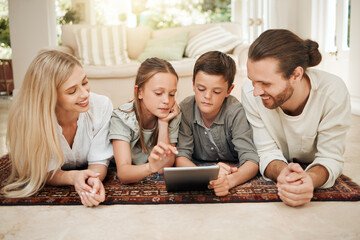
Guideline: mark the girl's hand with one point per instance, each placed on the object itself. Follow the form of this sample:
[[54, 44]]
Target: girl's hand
[[160, 155], [173, 113]]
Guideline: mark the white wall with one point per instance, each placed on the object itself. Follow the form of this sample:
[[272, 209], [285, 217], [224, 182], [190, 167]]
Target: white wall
[[354, 63], [32, 28], [299, 17]]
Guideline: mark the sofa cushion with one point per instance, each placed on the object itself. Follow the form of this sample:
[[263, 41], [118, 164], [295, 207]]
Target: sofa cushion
[[120, 71], [137, 39], [103, 45], [234, 28], [215, 38], [170, 48]]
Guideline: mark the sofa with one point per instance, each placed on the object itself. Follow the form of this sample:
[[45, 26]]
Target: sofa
[[117, 81]]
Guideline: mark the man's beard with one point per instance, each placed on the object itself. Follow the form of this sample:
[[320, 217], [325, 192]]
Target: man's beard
[[281, 98]]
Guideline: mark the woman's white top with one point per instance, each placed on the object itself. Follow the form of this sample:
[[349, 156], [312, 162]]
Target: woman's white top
[[91, 142]]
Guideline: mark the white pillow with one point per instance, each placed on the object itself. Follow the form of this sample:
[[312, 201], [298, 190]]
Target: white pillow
[[102, 45], [215, 38]]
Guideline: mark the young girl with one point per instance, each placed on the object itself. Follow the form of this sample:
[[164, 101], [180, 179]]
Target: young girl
[[144, 132], [55, 122]]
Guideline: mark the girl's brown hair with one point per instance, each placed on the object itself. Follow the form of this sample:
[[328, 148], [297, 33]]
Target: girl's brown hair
[[290, 50], [148, 69]]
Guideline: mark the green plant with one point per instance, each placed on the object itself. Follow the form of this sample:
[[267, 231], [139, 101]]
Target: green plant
[[4, 32], [70, 17], [166, 13]]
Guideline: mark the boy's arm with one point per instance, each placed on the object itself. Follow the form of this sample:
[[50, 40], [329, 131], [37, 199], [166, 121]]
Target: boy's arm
[[246, 172], [242, 136], [185, 144], [224, 182]]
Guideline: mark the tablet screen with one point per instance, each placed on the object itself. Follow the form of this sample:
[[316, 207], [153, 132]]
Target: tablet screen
[[189, 178]]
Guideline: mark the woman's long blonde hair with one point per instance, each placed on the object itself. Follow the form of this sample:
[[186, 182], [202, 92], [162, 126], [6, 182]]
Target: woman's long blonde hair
[[32, 132]]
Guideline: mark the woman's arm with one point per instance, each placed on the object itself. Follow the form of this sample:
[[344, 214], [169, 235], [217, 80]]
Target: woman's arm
[[99, 168], [77, 178]]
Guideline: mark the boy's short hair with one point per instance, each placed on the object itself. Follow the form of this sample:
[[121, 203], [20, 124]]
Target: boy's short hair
[[216, 63]]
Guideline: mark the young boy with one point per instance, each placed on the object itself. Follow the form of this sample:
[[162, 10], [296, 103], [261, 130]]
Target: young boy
[[214, 126]]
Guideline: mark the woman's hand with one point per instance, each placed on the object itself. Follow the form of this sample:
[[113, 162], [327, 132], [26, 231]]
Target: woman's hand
[[97, 194], [160, 155], [88, 188], [174, 111]]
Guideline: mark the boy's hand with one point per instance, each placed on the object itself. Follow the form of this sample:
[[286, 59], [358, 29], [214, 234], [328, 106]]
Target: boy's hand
[[221, 185], [226, 169]]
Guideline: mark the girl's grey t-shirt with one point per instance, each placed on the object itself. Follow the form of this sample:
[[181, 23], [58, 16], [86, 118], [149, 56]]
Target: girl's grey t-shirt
[[125, 126]]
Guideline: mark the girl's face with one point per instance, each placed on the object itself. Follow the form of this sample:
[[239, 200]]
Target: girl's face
[[158, 94], [73, 94]]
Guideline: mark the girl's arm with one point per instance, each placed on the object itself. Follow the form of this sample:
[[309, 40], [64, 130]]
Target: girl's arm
[[184, 162], [163, 137], [126, 172]]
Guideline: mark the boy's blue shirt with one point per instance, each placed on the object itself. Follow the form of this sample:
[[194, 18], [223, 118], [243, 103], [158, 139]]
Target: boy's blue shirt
[[229, 137]]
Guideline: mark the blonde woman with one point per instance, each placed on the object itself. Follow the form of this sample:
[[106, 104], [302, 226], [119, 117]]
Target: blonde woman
[[56, 126]]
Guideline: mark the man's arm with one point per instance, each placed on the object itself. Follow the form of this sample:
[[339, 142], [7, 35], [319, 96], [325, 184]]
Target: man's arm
[[319, 175], [267, 148], [331, 135], [274, 169]]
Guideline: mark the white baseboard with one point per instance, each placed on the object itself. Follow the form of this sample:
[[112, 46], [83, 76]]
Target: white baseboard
[[355, 105]]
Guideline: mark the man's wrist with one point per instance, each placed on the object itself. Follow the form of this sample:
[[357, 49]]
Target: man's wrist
[[274, 168], [319, 175]]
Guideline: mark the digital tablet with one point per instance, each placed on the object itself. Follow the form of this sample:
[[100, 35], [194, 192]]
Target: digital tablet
[[189, 178]]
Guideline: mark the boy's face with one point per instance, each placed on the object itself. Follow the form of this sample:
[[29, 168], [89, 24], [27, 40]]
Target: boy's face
[[210, 92]]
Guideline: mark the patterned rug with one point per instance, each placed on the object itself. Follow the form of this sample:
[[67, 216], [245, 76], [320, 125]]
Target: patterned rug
[[151, 190]]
